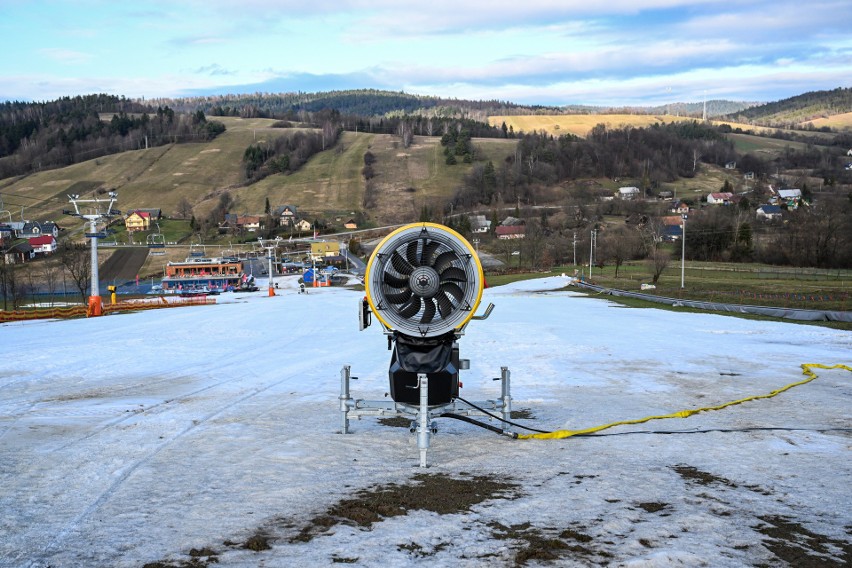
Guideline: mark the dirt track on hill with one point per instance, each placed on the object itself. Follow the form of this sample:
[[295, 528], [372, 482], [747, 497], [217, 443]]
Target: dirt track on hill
[[124, 264]]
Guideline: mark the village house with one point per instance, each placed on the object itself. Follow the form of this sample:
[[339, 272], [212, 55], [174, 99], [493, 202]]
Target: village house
[[286, 215], [723, 198], [19, 252], [627, 193], [45, 244], [248, 223], [680, 207], [505, 232], [479, 224], [302, 225], [137, 221], [30, 229], [768, 212], [6, 232], [324, 249], [350, 224]]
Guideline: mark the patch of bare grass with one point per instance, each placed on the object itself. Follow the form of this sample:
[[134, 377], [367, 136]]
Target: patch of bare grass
[[537, 545], [797, 546], [439, 494]]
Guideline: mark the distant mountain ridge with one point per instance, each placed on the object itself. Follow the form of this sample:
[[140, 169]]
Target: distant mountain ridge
[[360, 102], [374, 102]]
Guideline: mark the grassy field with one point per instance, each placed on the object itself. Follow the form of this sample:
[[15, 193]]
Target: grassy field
[[749, 143], [578, 124], [750, 284], [837, 121], [582, 124], [710, 179]]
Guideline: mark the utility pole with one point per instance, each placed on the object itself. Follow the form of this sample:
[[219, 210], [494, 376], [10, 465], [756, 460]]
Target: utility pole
[[92, 217], [592, 241], [683, 251], [575, 248]]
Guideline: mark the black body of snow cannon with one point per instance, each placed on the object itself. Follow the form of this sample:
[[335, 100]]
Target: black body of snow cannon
[[437, 357]]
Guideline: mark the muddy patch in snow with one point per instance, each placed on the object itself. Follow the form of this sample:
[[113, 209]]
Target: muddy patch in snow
[[436, 493]]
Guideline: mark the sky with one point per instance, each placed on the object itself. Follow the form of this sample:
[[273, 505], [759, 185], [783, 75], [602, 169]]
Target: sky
[[548, 52], [134, 438]]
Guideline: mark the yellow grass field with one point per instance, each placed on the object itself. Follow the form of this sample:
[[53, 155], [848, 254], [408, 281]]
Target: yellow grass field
[[838, 121], [582, 124], [579, 124]]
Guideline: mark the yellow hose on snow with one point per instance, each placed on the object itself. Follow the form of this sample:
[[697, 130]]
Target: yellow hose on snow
[[806, 370]]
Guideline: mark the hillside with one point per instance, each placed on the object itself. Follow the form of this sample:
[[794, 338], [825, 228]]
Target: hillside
[[799, 109], [329, 184]]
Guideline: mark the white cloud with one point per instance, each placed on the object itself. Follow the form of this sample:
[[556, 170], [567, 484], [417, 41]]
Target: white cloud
[[69, 56]]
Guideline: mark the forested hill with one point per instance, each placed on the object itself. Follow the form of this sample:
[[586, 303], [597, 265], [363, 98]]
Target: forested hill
[[798, 109], [360, 102], [35, 136]]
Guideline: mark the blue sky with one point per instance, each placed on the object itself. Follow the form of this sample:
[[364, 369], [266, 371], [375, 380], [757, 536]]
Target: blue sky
[[618, 52]]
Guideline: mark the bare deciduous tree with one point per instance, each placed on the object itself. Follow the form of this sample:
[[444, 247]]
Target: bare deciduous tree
[[658, 262], [76, 260], [184, 208]]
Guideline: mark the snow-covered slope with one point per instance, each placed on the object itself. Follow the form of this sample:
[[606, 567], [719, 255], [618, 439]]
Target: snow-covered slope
[[134, 438]]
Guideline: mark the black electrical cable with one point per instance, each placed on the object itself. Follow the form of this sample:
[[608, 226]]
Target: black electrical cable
[[478, 423], [494, 416]]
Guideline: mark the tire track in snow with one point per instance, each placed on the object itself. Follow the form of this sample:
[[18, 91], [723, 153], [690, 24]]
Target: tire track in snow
[[194, 424], [115, 485], [185, 372]]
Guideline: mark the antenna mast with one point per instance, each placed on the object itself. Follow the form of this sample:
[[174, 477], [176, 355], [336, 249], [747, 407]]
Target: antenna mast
[[93, 214]]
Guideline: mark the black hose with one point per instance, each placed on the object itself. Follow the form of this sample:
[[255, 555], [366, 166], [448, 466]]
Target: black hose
[[478, 423], [494, 416]]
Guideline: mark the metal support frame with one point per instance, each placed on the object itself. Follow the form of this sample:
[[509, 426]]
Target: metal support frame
[[95, 214], [422, 415]]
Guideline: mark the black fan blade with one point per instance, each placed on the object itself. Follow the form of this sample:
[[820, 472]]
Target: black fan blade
[[453, 273], [411, 308], [395, 281], [429, 250], [398, 297], [428, 312], [411, 254], [444, 261], [445, 306], [400, 265], [453, 289]]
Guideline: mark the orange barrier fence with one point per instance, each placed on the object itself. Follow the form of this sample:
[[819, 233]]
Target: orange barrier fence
[[42, 313], [125, 306]]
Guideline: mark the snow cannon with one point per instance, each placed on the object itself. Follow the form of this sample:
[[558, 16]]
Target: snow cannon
[[423, 283]]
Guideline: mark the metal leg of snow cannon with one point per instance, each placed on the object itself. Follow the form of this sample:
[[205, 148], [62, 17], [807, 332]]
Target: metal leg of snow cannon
[[506, 396], [346, 401], [423, 431]]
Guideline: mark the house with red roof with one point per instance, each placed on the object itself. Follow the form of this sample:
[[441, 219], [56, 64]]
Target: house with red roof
[[511, 232], [45, 244], [137, 221]]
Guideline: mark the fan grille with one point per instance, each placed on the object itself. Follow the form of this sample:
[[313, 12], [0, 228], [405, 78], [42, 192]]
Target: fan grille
[[424, 280]]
